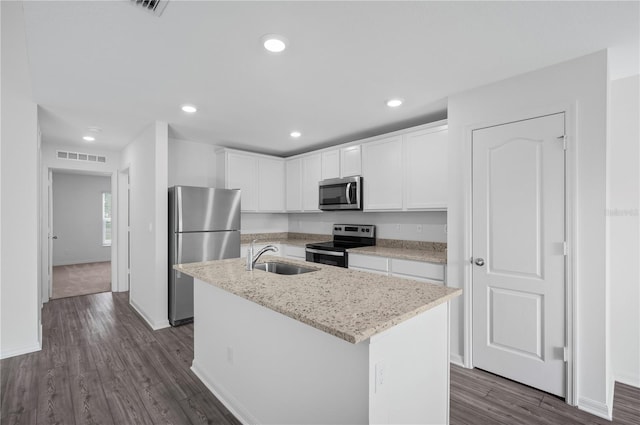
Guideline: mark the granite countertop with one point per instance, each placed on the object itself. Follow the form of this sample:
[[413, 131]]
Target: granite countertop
[[348, 304], [295, 239], [431, 252], [428, 255]]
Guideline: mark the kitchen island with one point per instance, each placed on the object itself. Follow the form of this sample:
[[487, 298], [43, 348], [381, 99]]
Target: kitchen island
[[330, 346]]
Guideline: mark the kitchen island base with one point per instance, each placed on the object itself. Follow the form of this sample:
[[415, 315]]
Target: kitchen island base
[[268, 368]]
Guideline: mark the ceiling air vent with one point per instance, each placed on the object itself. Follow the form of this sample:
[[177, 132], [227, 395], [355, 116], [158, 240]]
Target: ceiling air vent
[[154, 6], [75, 156]]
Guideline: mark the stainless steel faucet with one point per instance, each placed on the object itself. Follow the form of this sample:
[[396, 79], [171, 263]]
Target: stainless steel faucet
[[251, 258]]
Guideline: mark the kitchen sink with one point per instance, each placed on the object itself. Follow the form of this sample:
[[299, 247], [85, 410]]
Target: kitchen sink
[[283, 268]]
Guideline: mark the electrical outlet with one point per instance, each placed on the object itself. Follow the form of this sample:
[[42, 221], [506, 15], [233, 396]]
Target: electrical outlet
[[397, 227], [230, 355], [419, 228]]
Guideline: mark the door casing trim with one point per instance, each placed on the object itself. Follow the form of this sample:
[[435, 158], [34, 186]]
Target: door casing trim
[[571, 290]]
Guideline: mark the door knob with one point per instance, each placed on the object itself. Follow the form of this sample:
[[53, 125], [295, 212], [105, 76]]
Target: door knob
[[479, 262], [54, 237]]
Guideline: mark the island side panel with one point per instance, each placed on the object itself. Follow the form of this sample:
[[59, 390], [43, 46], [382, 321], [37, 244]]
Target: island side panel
[[268, 368], [409, 371]]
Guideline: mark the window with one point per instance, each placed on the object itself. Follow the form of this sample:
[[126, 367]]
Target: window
[[106, 219]]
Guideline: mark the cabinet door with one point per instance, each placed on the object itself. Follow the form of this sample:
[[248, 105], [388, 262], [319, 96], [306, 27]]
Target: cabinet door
[[311, 175], [330, 164], [382, 174], [271, 182], [241, 174], [350, 161], [294, 184], [425, 167]]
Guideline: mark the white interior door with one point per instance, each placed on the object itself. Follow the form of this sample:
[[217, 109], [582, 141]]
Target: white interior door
[[518, 252]]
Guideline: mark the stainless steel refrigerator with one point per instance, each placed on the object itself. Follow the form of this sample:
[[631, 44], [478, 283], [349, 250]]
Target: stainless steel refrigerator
[[204, 224]]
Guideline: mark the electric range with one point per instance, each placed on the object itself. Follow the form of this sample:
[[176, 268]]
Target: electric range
[[345, 236]]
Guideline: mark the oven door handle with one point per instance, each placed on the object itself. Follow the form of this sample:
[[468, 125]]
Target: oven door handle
[[322, 252], [348, 193]]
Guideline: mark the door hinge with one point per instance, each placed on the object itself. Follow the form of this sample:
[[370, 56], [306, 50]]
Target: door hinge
[[564, 141], [564, 248], [565, 354]]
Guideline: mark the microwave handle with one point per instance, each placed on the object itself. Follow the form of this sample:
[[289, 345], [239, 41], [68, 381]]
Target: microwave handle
[[349, 193]]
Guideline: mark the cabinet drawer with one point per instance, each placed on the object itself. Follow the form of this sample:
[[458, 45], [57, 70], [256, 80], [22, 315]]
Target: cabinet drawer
[[418, 269], [369, 262]]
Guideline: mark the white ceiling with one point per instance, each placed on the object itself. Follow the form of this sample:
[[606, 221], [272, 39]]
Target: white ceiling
[[112, 65]]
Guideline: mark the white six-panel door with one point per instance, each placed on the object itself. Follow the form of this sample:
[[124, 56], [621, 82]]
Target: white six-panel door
[[518, 252]]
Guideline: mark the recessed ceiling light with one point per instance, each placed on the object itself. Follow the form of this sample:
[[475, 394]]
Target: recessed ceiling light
[[394, 103], [190, 109], [88, 138], [295, 134], [274, 43]]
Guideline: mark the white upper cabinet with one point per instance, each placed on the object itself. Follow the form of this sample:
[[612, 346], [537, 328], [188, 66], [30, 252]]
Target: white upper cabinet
[[261, 179], [350, 161], [271, 184], [382, 174], [294, 184], [331, 164], [425, 169], [343, 162], [241, 174], [311, 175], [404, 171]]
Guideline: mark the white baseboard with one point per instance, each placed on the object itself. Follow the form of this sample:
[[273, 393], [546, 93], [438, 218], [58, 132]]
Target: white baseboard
[[153, 324], [18, 351], [456, 359], [228, 400], [634, 381], [596, 408]]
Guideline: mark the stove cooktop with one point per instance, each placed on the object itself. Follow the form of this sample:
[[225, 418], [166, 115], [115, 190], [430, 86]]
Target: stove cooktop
[[347, 236], [336, 245]]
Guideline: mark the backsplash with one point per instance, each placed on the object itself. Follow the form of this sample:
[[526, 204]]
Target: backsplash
[[407, 226]]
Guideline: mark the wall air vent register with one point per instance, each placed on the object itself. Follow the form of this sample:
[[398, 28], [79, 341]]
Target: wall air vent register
[[76, 156], [154, 6]]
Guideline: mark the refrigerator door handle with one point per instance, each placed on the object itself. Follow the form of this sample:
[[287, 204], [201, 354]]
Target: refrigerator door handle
[[179, 253], [179, 208]]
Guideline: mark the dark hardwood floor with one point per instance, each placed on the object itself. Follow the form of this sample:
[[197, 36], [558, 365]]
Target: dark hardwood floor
[[101, 364]]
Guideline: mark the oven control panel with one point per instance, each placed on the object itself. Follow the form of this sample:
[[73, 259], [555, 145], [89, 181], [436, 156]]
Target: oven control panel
[[359, 230]]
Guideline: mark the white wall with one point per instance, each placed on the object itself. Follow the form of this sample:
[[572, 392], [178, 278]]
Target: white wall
[[389, 225], [147, 160], [579, 84], [623, 183], [20, 304], [192, 163], [77, 218]]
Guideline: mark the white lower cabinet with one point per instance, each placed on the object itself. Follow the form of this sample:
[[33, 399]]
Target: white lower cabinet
[[418, 270], [369, 263], [406, 269]]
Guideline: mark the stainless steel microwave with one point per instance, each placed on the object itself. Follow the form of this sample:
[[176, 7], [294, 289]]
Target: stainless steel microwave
[[340, 194]]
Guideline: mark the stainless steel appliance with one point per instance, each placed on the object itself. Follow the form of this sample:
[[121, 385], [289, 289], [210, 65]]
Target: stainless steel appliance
[[345, 236], [204, 224], [340, 194]]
